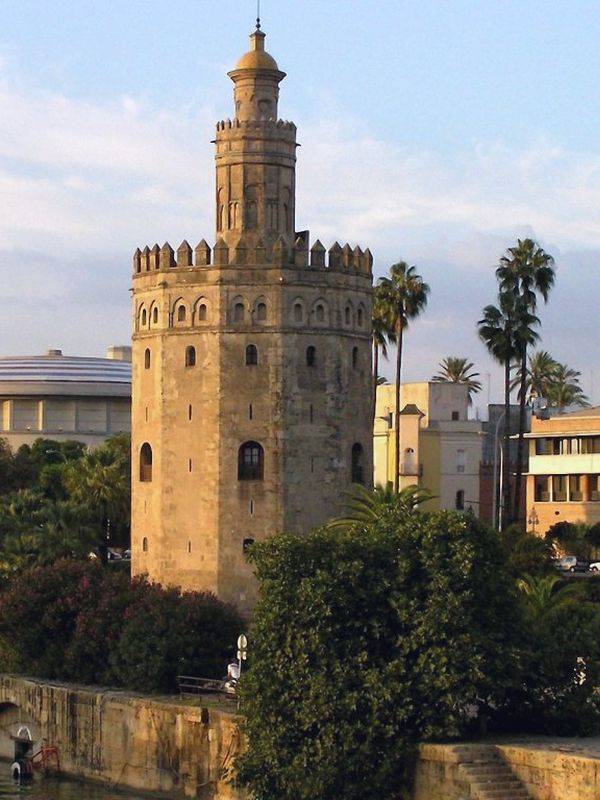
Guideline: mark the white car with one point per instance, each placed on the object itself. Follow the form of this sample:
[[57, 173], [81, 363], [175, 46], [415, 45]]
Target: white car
[[595, 566]]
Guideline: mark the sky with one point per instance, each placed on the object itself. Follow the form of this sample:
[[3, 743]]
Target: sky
[[434, 132]]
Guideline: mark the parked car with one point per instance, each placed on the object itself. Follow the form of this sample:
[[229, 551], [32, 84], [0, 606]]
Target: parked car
[[595, 566], [571, 564]]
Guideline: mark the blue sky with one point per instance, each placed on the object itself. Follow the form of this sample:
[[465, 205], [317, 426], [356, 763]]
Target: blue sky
[[436, 132]]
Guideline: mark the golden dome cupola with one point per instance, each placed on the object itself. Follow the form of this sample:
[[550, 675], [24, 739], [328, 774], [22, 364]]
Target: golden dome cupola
[[256, 77]]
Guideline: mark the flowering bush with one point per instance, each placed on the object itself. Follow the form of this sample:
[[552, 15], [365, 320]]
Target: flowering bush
[[76, 621]]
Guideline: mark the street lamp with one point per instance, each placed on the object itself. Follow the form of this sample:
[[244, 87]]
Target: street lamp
[[533, 520]]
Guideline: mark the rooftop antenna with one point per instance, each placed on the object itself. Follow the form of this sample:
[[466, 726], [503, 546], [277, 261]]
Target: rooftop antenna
[[257, 15]]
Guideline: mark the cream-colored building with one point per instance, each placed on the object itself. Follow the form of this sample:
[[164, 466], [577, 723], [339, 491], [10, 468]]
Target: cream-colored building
[[563, 484], [65, 397], [251, 365], [440, 446]]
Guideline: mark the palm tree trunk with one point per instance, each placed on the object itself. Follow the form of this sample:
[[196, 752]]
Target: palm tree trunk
[[375, 376], [398, 376], [521, 443], [505, 500]]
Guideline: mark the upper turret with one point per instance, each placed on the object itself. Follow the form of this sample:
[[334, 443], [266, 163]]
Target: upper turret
[[256, 77]]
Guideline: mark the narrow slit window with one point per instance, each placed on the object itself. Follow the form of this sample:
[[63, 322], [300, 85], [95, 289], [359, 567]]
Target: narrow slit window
[[311, 356], [147, 358]]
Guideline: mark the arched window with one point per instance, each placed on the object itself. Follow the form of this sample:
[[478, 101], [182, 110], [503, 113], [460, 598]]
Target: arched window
[[147, 358], [357, 464], [144, 317], [238, 312], [320, 313], [348, 315], [261, 312], [354, 357], [311, 356], [190, 356], [360, 317], [298, 312], [181, 314], [251, 355], [155, 316], [145, 544], [145, 463], [460, 500], [251, 459], [202, 312]]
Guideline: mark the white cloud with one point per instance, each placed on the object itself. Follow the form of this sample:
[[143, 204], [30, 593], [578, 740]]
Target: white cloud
[[82, 184]]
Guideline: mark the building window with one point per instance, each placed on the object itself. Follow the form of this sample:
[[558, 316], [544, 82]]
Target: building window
[[298, 312], [594, 487], [190, 465], [455, 416], [251, 355], [357, 464], [459, 502], [190, 412], [147, 358], [155, 315], [144, 317], [238, 312], [261, 312], [311, 356], [189, 547], [146, 463], [250, 411], [541, 489], [145, 544], [190, 356], [202, 312], [250, 462], [320, 313], [348, 315], [354, 357], [575, 492], [360, 318], [461, 460], [312, 413], [247, 545], [181, 314], [559, 488]]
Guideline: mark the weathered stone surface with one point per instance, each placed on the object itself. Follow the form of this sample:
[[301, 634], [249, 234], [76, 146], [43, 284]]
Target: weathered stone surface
[[132, 741]]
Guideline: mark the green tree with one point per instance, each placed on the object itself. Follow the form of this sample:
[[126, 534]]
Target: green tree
[[565, 389], [496, 331], [403, 297], [543, 593], [459, 370], [366, 641], [366, 507], [540, 375], [382, 333], [526, 271]]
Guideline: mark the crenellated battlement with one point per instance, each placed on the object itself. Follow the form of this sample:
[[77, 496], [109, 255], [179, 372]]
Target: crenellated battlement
[[338, 258], [261, 124]]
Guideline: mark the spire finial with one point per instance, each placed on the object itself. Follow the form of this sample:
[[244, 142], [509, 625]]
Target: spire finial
[[257, 15]]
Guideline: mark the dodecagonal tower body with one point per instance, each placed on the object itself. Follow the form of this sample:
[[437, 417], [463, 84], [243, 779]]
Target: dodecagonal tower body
[[251, 365]]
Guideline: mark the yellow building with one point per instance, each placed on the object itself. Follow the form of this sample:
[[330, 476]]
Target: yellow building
[[440, 447], [251, 364], [563, 484], [65, 397]]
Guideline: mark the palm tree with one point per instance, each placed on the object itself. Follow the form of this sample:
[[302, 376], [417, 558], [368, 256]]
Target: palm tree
[[539, 377], [543, 593], [366, 507], [459, 370], [526, 271], [496, 331], [404, 296], [565, 389], [382, 334]]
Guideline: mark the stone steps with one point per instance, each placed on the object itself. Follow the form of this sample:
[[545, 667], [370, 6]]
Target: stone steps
[[488, 775]]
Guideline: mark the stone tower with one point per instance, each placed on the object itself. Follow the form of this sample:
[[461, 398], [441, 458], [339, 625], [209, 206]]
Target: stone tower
[[251, 365]]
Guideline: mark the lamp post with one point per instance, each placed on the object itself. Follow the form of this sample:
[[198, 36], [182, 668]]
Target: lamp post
[[533, 520], [497, 507]]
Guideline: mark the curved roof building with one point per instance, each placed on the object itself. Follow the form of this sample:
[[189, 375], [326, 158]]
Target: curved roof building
[[65, 397]]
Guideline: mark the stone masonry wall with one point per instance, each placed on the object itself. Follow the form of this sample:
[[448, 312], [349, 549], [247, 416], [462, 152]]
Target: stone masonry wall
[[142, 743]]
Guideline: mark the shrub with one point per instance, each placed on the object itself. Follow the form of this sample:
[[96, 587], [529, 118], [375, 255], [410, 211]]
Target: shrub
[[77, 621], [367, 640]]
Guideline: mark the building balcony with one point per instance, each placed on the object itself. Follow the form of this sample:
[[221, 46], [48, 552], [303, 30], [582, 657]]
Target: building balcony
[[580, 464]]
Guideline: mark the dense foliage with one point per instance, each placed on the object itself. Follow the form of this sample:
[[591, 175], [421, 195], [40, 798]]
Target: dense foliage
[[61, 500], [367, 639], [78, 622], [392, 626], [575, 538]]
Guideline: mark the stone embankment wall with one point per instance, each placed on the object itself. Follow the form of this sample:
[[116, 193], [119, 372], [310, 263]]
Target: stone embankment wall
[[127, 740]]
